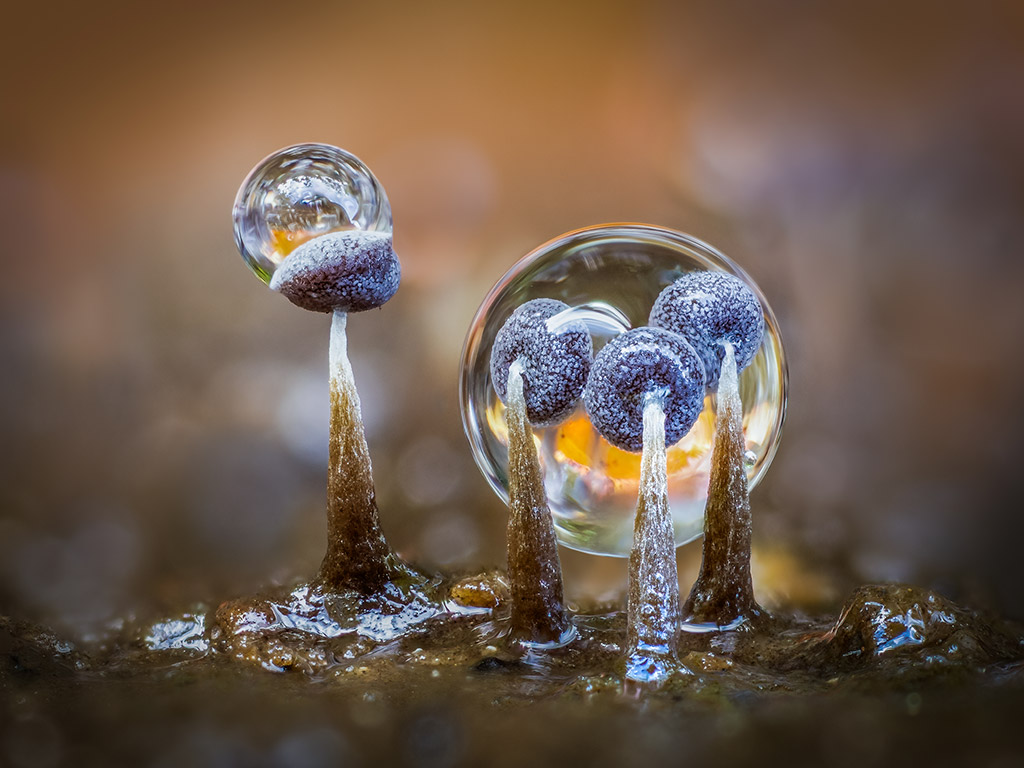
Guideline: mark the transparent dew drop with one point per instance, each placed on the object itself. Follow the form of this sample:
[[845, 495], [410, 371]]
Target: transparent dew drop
[[749, 458], [610, 276], [302, 192]]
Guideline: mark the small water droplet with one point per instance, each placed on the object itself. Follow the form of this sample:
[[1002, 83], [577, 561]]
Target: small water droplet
[[749, 458], [299, 193]]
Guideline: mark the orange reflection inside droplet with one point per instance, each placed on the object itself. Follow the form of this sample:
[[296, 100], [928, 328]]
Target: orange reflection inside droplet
[[579, 442]]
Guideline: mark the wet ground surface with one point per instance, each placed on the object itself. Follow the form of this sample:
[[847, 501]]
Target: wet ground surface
[[902, 673]]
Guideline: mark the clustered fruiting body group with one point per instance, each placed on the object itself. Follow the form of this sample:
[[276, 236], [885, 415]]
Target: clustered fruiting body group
[[644, 391]]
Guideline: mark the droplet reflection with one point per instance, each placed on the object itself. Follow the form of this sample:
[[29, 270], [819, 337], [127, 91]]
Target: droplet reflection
[[302, 192], [611, 276]]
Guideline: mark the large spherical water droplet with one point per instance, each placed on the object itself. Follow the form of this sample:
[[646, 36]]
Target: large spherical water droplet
[[302, 192], [610, 274]]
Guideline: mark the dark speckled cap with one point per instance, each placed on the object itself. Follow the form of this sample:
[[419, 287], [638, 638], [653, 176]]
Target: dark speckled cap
[[637, 363], [555, 365], [710, 309], [352, 271]]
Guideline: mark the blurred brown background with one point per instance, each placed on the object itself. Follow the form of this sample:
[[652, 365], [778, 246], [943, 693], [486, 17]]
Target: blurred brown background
[[163, 416]]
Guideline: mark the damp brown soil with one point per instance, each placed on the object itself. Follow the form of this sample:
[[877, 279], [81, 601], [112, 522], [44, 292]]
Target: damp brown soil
[[899, 672]]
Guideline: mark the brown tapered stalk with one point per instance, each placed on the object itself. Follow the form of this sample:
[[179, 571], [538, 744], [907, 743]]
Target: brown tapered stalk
[[653, 601], [535, 573], [358, 557], [723, 593]]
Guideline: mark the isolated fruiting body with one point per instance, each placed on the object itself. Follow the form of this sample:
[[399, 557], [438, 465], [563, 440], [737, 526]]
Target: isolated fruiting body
[[723, 319], [315, 224]]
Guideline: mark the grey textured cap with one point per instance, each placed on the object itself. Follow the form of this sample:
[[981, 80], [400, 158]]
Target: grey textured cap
[[555, 365], [710, 309], [352, 271], [634, 365]]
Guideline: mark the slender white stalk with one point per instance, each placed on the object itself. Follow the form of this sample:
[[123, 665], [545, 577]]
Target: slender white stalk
[[357, 556], [347, 425], [653, 602], [337, 357]]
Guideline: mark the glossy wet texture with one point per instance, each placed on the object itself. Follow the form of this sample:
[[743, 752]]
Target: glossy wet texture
[[901, 668], [652, 613], [358, 557], [611, 276], [538, 612], [724, 592], [301, 193]]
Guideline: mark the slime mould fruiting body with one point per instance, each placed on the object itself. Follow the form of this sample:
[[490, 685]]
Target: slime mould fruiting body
[[342, 273], [724, 321], [634, 367], [645, 391], [710, 310], [313, 199], [554, 363], [539, 373], [314, 223]]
